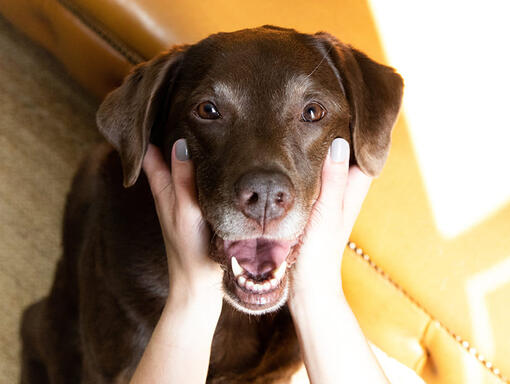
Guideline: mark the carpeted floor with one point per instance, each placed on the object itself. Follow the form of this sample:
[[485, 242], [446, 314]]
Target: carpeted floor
[[46, 126]]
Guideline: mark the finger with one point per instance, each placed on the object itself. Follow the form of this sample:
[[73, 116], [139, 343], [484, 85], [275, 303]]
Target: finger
[[334, 176], [183, 176], [356, 190], [157, 171], [189, 221]]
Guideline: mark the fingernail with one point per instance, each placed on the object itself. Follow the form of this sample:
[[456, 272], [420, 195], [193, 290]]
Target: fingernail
[[339, 150], [181, 150]]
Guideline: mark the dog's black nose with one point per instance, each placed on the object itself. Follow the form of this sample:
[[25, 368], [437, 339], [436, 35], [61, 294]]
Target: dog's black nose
[[264, 195]]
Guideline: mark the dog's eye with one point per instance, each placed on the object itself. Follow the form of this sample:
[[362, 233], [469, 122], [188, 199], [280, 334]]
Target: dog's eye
[[208, 110], [313, 112]]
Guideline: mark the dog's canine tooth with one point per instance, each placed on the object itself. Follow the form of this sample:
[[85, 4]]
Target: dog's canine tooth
[[236, 268], [278, 274], [274, 283]]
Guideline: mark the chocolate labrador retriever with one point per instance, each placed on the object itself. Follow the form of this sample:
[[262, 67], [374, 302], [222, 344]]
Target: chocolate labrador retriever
[[259, 109]]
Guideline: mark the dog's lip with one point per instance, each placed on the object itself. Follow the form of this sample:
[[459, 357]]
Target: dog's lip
[[295, 238]]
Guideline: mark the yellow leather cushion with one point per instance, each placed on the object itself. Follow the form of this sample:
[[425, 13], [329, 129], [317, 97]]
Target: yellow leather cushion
[[421, 297]]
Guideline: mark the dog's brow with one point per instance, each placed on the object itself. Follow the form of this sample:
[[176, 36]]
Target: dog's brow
[[228, 92], [297, 85], [303, 86]]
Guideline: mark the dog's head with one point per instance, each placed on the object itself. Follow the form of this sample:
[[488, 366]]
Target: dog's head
[[259, 109]]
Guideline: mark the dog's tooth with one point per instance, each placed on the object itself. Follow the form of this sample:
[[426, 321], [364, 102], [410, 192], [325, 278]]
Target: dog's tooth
[[274, 283], [257, 287], [249, 285], [278, 274], [241, 280], [267, 286], [236, 268]]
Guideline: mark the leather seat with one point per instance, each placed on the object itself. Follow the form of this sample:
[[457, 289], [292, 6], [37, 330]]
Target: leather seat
[[418, 295]]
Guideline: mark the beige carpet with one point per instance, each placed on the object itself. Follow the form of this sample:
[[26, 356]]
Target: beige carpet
[[46, 126]]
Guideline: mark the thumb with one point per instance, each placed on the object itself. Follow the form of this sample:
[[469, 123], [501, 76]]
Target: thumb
[[157, 171], [335, 171], [183, 176]]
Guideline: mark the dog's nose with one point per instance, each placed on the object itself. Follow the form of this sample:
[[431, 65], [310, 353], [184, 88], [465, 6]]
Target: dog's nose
[[264, 195]]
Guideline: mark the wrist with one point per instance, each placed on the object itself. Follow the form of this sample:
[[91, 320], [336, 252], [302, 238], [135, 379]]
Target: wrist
[[190, 298], [302, 300], [316, 288]]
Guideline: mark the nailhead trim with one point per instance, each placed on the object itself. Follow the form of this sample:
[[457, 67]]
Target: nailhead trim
[[463, 343]]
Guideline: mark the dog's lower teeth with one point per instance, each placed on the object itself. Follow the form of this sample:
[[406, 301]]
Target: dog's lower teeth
[[262, 287]]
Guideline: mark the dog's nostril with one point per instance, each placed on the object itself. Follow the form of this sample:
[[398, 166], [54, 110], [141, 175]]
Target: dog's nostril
[[253, 198], [280, 198]]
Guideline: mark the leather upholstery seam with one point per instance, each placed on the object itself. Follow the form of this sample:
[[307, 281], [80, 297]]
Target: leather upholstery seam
[[464, 344], [95, 26]]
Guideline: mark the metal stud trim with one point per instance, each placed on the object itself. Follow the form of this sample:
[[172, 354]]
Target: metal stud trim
[[462, 342]]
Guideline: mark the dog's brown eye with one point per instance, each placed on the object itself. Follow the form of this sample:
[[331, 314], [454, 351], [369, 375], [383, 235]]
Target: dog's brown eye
[[208, 110], [313, 112]]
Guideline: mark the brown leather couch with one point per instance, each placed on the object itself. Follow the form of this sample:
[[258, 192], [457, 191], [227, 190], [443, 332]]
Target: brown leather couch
[[405, 281]]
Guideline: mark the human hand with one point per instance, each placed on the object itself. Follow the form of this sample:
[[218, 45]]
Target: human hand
[[333, 345], [192, 273], [317, 269], [180, 345]]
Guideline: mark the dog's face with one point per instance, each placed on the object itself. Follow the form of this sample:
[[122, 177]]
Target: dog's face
[[259, 109]]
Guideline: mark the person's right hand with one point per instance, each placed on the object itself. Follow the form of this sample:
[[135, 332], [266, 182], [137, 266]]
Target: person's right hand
[[180, 346]]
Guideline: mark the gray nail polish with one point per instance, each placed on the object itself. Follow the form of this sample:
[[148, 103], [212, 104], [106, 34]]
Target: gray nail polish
[[339, 150], [181, 150]]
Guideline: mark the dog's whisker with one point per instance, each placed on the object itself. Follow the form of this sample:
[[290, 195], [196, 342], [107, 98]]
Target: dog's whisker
[[318, 65]]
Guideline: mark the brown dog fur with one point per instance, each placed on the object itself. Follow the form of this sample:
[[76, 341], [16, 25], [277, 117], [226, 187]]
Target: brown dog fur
[[112, 281]]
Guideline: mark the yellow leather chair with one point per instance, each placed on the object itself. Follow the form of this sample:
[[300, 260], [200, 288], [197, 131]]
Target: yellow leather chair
[[439, 304]]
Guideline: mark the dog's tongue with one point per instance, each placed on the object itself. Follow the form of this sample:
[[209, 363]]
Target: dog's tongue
[[258, 256]]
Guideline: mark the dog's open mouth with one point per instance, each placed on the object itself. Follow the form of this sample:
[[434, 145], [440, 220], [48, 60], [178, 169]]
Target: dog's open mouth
[[256, 280]]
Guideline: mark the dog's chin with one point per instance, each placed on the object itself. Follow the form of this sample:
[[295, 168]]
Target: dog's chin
[[266, 292]]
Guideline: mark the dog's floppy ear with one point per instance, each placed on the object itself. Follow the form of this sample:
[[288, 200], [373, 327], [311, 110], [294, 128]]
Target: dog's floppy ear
[[127, 115], [374, 92]]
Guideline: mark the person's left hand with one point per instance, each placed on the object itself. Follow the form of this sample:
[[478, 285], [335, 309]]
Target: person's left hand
[[343, 189]]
